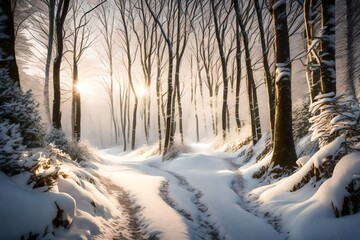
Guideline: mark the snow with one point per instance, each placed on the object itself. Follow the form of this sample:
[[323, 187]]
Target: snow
[[201, 194], [315, 219], [283, 72], [27, 212], [196, 182], [24, 211]]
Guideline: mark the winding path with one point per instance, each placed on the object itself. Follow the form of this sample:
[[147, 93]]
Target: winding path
[[195, 196]]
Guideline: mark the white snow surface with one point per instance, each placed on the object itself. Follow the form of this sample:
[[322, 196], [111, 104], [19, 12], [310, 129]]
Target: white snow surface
[[204, 171], [193, 196]]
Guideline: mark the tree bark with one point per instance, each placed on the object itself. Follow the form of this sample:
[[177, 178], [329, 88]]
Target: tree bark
[[60, 19], [284, 150], [312, 66], [350, 51], [7, 41], [253, 103], [327, 47], [225, 78], [169, 106], [267, 74], [238, 77], [48, 60]]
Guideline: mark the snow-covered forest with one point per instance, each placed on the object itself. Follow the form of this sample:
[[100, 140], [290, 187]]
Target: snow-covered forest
[[179, 119]]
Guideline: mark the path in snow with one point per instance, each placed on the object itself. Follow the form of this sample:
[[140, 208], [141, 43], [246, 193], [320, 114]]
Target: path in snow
[[194, 196], [238, 186], [202, 226], [129, 225]]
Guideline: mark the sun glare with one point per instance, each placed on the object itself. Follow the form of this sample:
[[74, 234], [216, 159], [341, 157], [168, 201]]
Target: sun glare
[[141, 91], [84, 88]]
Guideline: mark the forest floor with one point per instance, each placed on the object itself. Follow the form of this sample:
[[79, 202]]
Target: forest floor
[[198, 195]]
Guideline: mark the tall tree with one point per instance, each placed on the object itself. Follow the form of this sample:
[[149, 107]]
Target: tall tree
[[107, 23], [61, 13], [51, 10], [160, 51], [350, 48], [253, 102], [238, 76], [7, 40], [284, 149], [125, 8], [312, 61], [145, 35], [221, 17], [327, 47], [81, 41], [185, 14], [168, 141], [205, 54], [265, 52]]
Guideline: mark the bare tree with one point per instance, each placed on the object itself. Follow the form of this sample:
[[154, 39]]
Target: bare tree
[[194, 98], [185, 15], [350, 48], [222, 8], [168, 141], [265, 52], [125, 8], [284, 150], [205, 55], [327, 47], [253, 103], [51, 9], [160, 50], [312, 51], [61, 14], [7, 41], [145, 35], [238, 76], [107, 19], [80, 42]]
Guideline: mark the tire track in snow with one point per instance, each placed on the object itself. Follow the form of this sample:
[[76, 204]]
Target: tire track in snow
[[131, 224], [203, 227]]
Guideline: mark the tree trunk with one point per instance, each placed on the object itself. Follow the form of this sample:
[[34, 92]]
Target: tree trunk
[[267, 74], [312, 66], [122, 110], [284, 150], [158, 102], [350, 51], [327, 47], [7, 41], [224, 71], [253, 103], [48, 60], [129, 71], [238, 78], [76, 103], [60, 19], [169, 110]]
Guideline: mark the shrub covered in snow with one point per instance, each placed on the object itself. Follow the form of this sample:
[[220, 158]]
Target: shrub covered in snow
[[334, 116], [47, 193], [80, 151], [175, 150], [10, 142], [17, 107], [57, 138], [301, 124]]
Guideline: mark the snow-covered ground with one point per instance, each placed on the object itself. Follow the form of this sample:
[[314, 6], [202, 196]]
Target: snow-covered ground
[[190, 196], [202, 194]]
